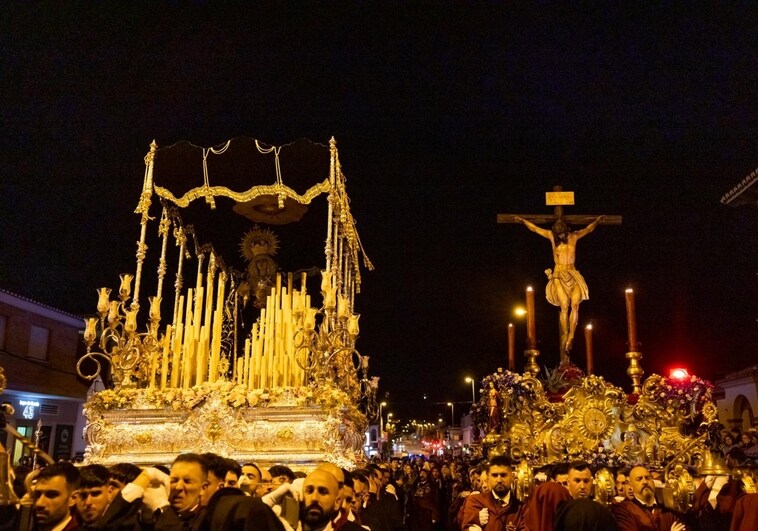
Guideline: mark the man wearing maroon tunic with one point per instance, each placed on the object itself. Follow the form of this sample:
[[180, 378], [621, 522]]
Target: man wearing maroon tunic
[[538, 514], [497, 509], [745, 516], [643, 513]]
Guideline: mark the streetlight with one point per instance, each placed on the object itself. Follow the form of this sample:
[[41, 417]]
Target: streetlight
[[470, 380], [452, 414], [381, 420]]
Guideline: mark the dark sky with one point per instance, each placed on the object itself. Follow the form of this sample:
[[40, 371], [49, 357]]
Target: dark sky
[[445, 114]]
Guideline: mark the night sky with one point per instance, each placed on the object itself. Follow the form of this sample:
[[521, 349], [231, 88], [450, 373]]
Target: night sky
[[445, 115]]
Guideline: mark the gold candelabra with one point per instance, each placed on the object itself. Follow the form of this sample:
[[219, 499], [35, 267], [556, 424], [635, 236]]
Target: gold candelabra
[[115, 331], [325, 342]]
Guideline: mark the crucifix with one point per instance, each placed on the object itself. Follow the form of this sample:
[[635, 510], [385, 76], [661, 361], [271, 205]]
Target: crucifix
[[566, 287]]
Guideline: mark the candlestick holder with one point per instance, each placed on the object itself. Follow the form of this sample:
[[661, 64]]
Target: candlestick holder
[[127, 351], [531, 367], [327, 351], [635, 371]]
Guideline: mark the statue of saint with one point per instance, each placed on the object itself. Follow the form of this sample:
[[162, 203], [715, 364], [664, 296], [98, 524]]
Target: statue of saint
[[257, 247], [493, 407], [566, 287]]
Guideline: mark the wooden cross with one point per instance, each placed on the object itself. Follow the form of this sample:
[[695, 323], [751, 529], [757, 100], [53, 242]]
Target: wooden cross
[[566, 287], [558, 199]]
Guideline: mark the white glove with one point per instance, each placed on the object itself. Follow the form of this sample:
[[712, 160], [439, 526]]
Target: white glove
[[275, 496], [157, 477], [390, 489], [155, 498], [474, 528], [484, 516], [297, 489]]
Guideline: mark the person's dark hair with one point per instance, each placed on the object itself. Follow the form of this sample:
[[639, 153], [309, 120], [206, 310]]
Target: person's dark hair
[[65, 469], [92, 476], [560, 227], [124, 472], [235, 467], [361, 475], [348, 478], [558, 469], [500, 460], [163, 468], [191, 457], [216, 465], [579, 466], [282, 470], [624, 470]]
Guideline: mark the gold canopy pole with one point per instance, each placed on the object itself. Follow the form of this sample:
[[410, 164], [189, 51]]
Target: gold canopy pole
[[163, 229], [142, 208], [181, 240], [330, 214]]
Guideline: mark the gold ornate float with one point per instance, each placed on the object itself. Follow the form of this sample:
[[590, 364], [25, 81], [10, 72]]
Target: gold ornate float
[[246, 364]]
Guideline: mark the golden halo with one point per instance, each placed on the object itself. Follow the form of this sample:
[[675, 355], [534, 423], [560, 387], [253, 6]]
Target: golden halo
[[260, 236]]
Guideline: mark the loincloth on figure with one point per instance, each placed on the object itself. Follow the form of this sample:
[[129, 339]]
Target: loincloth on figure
[[569, 279]]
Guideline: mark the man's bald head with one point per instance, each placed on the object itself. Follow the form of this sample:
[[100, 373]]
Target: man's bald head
[[334, 470]]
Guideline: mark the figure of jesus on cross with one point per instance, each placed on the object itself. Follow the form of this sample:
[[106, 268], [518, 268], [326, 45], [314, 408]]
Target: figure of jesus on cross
[[566, 287]]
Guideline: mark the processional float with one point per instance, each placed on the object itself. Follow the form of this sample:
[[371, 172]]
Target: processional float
[[666, 423], [241, 356]]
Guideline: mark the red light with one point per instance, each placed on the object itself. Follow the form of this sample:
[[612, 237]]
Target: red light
[[679, 374]]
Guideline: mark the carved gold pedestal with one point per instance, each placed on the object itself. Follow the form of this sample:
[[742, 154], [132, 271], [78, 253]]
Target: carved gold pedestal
[[292, 435]]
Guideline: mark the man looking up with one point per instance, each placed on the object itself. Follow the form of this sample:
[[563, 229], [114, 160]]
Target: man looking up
[[498, 508], [643, 513], [580, 480], [95, 493], [53, 496]]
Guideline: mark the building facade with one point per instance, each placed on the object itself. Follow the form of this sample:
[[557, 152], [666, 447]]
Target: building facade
[[737, 399], [38, 352]]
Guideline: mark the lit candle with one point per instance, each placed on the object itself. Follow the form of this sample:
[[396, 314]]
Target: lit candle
[[511, 347], [631, 320], [531, 334], [588, 343]]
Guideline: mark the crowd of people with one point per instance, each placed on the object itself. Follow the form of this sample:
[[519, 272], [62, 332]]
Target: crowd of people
[[210, 492]]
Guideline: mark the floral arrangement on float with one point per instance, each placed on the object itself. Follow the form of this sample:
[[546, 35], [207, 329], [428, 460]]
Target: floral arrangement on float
[[328, 397]]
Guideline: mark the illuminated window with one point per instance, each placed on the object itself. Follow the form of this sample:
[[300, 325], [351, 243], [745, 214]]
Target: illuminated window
[[38, 343]]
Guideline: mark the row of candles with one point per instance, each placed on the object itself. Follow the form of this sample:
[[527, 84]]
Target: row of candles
[[531, 334], [190, 349], [269, 358]]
